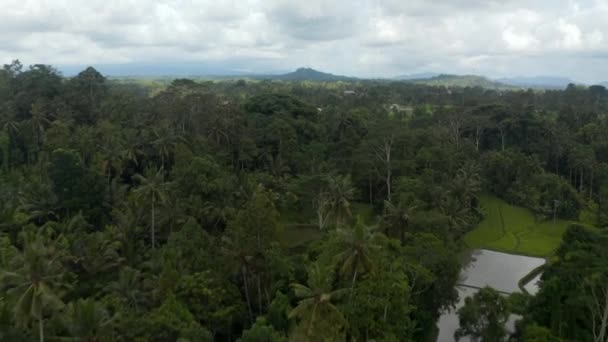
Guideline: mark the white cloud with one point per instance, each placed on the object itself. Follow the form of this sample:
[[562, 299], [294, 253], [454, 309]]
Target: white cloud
[[519, 41], [358, 37], [572, 37]]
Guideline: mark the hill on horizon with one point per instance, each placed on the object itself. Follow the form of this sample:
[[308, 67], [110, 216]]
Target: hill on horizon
[[417, 76], [306, 74], [446, 80]]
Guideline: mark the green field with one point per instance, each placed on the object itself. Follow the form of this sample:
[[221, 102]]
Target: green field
[[513, 229]]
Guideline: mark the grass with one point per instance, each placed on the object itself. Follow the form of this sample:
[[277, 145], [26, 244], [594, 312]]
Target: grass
[[512, 229]]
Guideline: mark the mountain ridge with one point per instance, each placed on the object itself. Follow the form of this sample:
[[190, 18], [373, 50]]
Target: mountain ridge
[[306, 74]]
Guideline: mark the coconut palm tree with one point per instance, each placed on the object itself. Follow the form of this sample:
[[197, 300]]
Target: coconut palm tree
[[153, 188], [457, 214], [317, 301], [356, 245], [9, 123], [237, 249], [10, 128], [112, 159], [38, 123], [467, 185], [165, 139], [337, 197], [87, 321], [35, 281], [397, 217], [126, 230], [128, 287]]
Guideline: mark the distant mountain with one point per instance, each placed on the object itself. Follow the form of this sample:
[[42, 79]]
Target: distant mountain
[[540, 82], [417, 76], [306, 74], [462, 81]]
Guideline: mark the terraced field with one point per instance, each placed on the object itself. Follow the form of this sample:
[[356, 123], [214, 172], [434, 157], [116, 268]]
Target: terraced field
[[512, 229]]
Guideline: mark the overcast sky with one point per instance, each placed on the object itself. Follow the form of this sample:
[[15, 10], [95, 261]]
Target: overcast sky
[[355, 37]]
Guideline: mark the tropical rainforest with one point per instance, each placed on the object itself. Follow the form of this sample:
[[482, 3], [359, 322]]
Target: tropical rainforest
[[260, 210]]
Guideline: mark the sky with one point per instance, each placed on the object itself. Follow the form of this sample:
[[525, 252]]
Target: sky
[[363, 38]]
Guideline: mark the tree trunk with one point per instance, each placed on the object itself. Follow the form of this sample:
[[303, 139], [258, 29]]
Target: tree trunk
[[322, 217], [245, 282], [570, 176], [402, 234], [371, 196], [591, 183], [259, 295], [388, 147], [601, 336], [386, 305], [153, 229], [352, 286], [41, 328]]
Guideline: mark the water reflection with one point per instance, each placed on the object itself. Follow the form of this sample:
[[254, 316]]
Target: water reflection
[[501, 271]]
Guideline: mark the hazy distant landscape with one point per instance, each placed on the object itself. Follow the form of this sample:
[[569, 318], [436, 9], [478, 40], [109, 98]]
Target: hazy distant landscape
[[309, 74]]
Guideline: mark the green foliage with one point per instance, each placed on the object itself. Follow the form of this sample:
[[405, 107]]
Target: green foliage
[[76, 187], [573, 287], [34, 280], [521, 180], [163, 209], [535, 333], [483, 317], [87, 320], [278, 311], [380, 307], [171, 322], [318, 319], [193, 247], [212, 300], [261, 331]]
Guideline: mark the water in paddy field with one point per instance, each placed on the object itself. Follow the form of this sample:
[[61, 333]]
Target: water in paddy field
[[501, 271]]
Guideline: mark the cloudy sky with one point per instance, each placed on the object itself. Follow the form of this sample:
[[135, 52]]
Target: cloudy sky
[[355, 37]]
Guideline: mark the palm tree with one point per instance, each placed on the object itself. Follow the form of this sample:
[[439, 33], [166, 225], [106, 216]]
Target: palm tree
[[38, 123], [39, 202], [338, 195], [96, 253], [458, 216], [127, 287], [87, 320], [317, 300], [35, 280], [153, 188], [238, 250], [356, 245], [113, 156], [10, 129], [397, 217], [9, 124], [126, 230], [164, 141], [467, 185]]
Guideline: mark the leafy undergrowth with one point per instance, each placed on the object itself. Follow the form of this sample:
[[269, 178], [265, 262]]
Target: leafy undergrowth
[[513, 229]]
